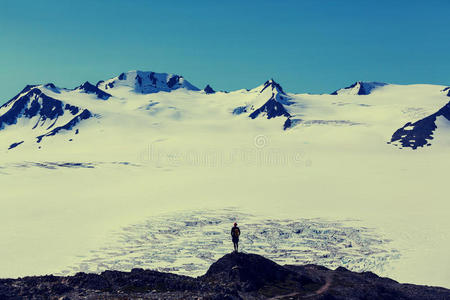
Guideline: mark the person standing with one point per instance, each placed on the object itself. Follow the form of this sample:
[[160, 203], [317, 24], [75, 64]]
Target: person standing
[[235, 233]]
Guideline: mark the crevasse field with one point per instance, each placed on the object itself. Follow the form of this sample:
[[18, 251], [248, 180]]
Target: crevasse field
[[155, 179]]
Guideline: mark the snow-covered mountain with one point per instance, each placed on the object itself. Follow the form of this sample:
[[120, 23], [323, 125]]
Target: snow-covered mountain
[[133, 102], [41, 114], [147, 82], [267, 103], [359, 88]]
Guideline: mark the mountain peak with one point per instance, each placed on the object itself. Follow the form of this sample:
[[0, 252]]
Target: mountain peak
[[360, 88], [272, 85], [52, 87], [147, 82], [274, 100], [45, 111], [209, 90]]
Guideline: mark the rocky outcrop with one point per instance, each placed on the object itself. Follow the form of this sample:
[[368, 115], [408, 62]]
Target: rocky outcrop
[[359, 88], [420, 133], [271, 109], [234, 276], [209, 90], [252, 273], [89, 88], [447, 89]]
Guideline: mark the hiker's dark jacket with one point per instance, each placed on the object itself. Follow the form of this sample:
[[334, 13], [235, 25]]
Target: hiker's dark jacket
[[233, 235]]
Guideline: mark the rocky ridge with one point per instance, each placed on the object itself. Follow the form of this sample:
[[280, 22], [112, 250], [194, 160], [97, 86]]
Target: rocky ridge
[[234, 276]]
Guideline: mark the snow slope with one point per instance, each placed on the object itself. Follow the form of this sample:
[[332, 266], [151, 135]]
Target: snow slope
[[165, 147]]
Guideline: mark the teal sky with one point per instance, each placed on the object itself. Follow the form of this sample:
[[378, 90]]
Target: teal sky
[[307, 46]]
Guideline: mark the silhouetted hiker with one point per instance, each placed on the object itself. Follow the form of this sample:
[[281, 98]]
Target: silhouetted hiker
[[235, 233]]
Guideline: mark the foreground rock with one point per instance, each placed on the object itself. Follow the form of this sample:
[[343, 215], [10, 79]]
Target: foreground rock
[[234, 276]]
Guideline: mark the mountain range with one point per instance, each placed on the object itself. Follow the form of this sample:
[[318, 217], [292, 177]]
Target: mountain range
[[404, 116]]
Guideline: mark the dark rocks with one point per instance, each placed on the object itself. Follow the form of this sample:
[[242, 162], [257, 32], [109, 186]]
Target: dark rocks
[[447, 89], [14, 145], [147, 280], [147, 82], [139, 79], [360, 88], [31, 104], [420, 133], [73, 109], [89, 281], [16, 107], [175, 79], [152, 78], [287, 124], [50, 108], [99, 82], [271, 84], [209, 90], [33, 109], [26, 89], [84, 115], [251, 272], [122, 76], [234, 276], [240, 110], [272, 108], [89, 88], [52, 87]]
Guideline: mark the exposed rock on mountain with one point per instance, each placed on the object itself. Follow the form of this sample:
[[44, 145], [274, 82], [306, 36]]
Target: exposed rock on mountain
[[147, 82], [88, 88], [359, 88], [209, 90], [420, 133]]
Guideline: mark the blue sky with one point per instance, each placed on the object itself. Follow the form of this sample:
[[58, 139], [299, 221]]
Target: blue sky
[[307, 46]]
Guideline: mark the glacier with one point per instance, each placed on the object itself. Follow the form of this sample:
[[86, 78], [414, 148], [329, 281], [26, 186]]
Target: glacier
[[89, 173]]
